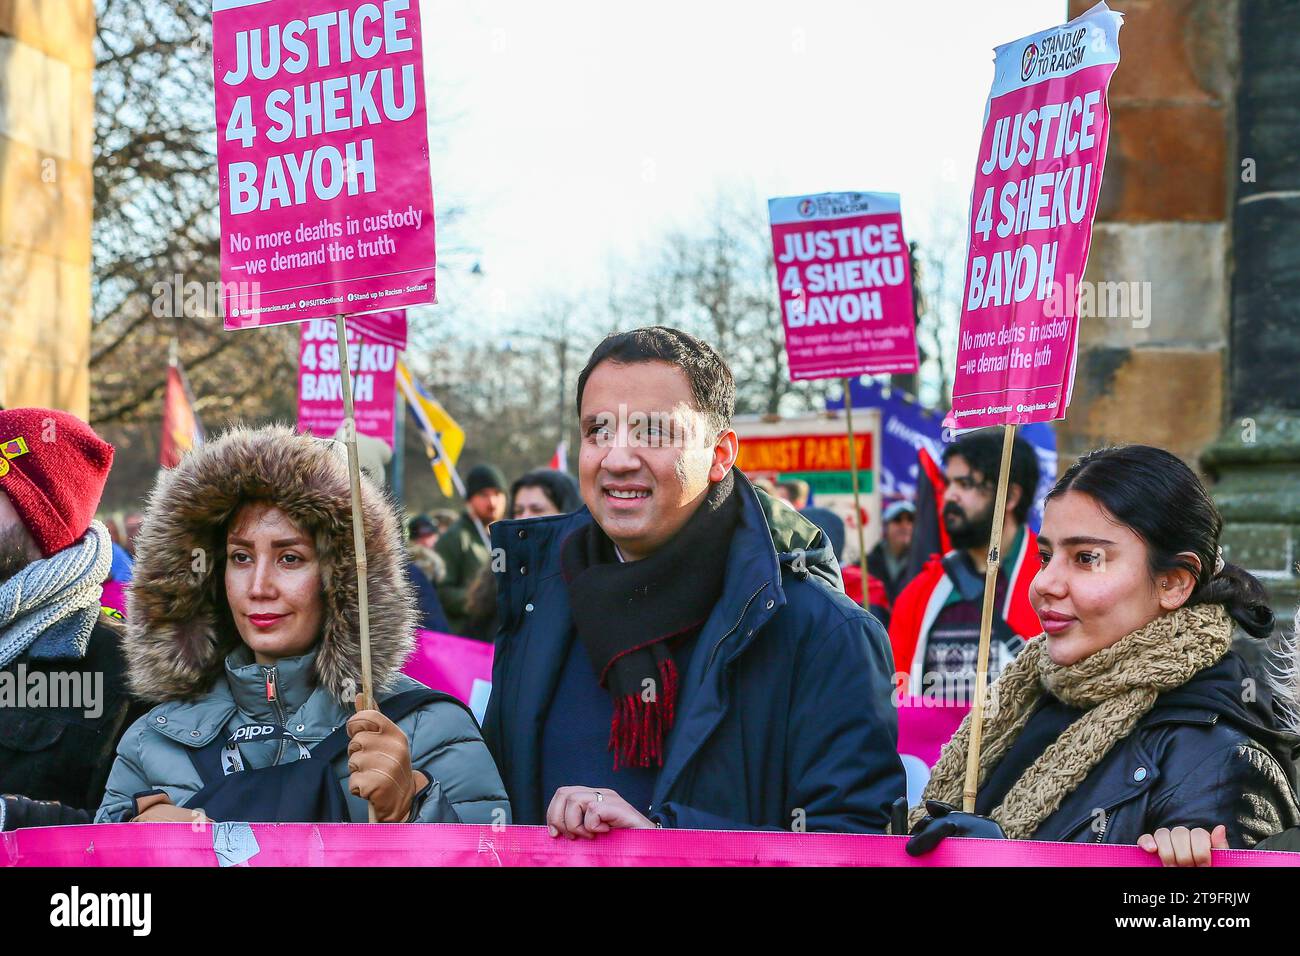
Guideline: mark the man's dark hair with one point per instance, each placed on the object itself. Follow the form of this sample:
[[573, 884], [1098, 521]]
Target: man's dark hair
[[982, 450], [712, 385]]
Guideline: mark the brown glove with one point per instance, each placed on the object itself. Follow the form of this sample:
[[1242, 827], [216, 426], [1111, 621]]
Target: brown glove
[[379, 758]]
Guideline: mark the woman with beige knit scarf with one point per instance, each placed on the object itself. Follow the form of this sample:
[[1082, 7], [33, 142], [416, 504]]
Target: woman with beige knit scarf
[[1130, 718]]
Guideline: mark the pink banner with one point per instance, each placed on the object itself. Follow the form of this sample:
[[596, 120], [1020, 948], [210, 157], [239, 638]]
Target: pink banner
[[455, 665], [362, 845], [845, 284], [1036, 184], [323, 159], [373, 368]]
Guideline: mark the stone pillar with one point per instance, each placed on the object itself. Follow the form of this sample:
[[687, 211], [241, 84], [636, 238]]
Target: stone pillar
[[1201, 199], [1155, 372], [1257, 456], [46, 196]]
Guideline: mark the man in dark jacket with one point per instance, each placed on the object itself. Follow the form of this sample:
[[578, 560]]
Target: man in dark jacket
[[934, 623], [680, 652], [63, 700], [464, 546]]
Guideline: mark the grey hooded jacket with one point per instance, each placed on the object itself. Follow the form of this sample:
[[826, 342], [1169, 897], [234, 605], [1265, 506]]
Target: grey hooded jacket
[[185, 653]]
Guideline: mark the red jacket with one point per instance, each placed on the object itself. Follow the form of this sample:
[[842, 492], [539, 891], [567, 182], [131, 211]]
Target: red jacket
[[876, 596], [920, 602]]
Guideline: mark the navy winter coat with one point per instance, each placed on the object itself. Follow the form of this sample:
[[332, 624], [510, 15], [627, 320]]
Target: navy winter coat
[[784, 719]]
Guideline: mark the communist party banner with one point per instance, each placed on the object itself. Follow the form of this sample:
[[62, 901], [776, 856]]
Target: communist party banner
[[821, 460], [845, 284], [323, 159], [1036, 184]]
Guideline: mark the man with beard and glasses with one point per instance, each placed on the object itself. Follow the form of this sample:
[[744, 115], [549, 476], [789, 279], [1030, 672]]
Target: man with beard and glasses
[[935, 625], [63, 698]]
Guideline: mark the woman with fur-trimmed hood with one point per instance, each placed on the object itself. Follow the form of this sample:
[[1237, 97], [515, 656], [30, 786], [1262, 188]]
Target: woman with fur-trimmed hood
[[243, 628]]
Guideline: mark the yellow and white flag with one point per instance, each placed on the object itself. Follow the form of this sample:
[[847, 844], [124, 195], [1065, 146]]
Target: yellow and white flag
[[443, 438]]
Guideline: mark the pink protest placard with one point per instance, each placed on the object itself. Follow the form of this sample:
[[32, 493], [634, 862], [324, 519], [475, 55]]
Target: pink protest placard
[[373, 366], [323, 159], [845, 284], [1036, 184], [386, 328]]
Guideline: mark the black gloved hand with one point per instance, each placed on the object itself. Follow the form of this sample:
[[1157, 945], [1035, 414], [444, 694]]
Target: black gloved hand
[[17, 812], [945, 820], [898, 817]]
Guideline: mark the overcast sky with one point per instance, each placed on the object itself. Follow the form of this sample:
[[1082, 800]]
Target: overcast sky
[[573, 134]]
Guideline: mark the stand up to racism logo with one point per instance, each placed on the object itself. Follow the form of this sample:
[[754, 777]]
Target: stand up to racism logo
[[1027, 61]]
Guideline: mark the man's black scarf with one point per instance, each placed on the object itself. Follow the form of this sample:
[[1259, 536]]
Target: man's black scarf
[[625, 614]]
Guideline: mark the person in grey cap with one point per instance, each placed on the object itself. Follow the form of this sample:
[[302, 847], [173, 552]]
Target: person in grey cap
[[423, 538], [887, 561], [465, 547]]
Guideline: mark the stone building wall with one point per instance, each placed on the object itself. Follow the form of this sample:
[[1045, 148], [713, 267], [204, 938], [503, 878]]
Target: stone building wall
[[46, 130], [1156, 374], [1201, 199]]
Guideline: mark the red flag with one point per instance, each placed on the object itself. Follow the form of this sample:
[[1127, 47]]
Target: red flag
[[930, 535], [559, 461], [181, 429]]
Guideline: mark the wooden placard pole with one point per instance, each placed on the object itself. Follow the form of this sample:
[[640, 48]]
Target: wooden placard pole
[[358, 523], [986, 623], [857, 504]]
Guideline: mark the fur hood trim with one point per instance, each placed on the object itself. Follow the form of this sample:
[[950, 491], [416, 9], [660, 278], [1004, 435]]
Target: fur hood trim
[[179, 628]]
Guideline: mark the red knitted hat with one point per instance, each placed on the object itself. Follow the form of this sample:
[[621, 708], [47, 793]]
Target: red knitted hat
[[53, 468]]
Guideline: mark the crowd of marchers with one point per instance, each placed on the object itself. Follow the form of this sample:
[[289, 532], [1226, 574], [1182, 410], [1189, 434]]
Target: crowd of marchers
[[675, 644]]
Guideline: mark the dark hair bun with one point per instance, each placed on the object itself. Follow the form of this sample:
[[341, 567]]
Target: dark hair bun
[[1243, 597]]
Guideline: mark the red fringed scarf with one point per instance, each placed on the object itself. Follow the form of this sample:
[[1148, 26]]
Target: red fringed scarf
[[640, 726]]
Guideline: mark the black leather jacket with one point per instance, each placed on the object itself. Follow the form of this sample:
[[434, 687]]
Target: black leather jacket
[[1202, 756]]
